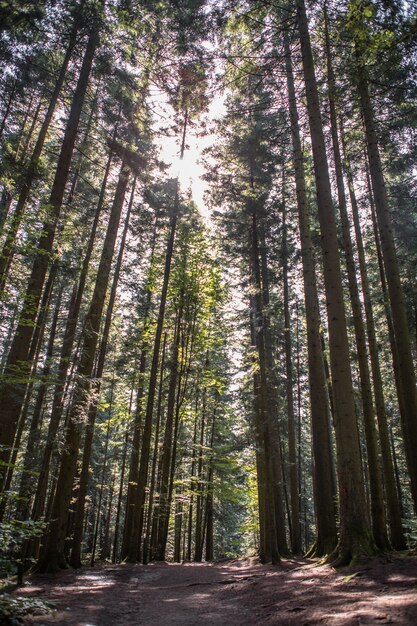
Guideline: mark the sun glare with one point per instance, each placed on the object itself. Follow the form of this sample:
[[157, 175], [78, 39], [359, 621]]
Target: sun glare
[[189, 170]]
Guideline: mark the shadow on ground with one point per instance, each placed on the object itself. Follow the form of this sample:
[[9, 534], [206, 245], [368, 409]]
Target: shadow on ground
[[233, 593]]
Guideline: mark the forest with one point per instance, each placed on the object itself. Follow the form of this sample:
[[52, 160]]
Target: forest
[[208, 297]]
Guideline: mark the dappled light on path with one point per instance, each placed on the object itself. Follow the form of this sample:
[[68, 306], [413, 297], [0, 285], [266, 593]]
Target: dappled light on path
[[232, 593]]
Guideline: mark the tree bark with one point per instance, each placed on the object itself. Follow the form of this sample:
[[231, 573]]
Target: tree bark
[[66, 352], [7, 253], [150, 518], [12, 392], [53, 557], [374, 469], [393, 505], [355, 538], [292, 456], [134, 539], [396, 295], [323, 468], [75, 560]]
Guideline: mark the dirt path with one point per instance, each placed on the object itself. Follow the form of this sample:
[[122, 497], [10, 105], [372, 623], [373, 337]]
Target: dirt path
[[230, 594]]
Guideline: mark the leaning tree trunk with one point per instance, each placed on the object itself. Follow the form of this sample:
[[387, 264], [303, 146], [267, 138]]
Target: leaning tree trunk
[[355, 537], [8, 107], [66, 352], [7, 253], [52, 556], [31, 457], [75, 559], [33, 358], [11, 391]]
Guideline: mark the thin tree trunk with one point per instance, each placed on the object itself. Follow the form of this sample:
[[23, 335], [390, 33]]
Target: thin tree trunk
[[198, 538], [8, 106], [32, 448], [268, 430], [279, 485], [192, 480], [103, 475], [209, 500], [34, 352], [149, 521], [121, 487], [179, 511], [23, 125], [134, 539], [105, 548], [137, 423], [167, 446], [295, 509], [397, 472]]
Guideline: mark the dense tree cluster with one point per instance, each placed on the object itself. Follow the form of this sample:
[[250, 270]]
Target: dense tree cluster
[[180, 387]]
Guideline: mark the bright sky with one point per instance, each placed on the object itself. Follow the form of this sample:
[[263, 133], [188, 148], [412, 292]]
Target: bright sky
[[190, 169]]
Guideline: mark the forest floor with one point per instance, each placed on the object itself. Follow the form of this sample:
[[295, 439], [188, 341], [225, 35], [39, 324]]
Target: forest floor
[[237, 592]]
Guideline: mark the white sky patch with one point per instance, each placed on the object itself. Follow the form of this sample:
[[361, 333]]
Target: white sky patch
[[191, 169]]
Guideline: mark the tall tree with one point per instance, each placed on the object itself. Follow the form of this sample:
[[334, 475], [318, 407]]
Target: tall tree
[[354, 532], [12, 391]]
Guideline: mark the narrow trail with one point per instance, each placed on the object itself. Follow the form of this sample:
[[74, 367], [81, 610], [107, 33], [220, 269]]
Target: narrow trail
[[230, 594]]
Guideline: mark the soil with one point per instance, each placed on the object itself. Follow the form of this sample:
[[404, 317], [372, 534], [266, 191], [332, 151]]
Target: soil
[[231, 593]]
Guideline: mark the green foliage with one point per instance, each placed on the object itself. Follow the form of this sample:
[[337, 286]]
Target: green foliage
[[14, 607], [13, 536]]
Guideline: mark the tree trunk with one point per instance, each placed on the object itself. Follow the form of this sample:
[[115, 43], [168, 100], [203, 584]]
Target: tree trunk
[[53, 553], [30, 461], [12, 392], [134, 539], [198, 538], [393, 504], [137, 422], [150, 518], [8, 106], [295, 509], [374, 469], [75, 559], [121, 488], [268, 430], [355, 538], [97, 509], [7, 253], [396, 295], [66, 353], [323, 469], [167, 446]]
